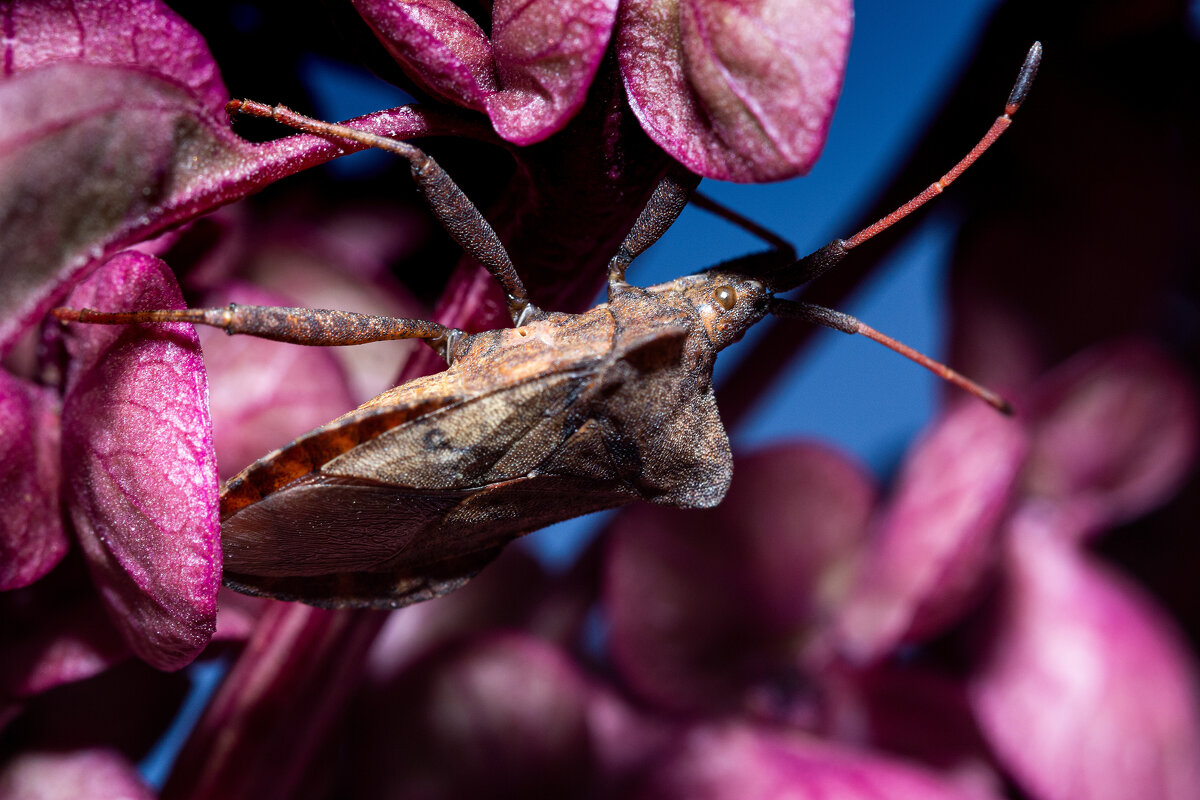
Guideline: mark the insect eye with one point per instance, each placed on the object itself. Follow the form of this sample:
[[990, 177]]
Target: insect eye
[[725, 296]]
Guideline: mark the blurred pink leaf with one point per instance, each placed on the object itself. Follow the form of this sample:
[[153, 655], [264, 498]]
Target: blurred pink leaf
[[1115, 430], [141, 480], [739, 90], [936, 537], [342, 264], [706, 607], [920, 715], [735, 762], [237, 615], [505, 713], [32, 540], [94, 774], [1086, 691], [504, 596], [55, 632]]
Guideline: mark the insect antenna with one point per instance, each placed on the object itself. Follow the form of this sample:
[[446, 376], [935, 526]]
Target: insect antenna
[[821, 261], [841, 321], [816, 264]]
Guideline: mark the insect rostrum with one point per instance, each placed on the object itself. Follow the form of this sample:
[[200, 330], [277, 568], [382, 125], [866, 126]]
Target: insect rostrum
[[408, 496]]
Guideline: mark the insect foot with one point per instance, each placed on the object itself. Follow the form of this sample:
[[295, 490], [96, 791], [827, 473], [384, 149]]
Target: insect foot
[[408, 496]]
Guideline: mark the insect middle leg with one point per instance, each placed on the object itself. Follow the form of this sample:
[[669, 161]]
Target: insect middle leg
[[453, 209], [309, 326]]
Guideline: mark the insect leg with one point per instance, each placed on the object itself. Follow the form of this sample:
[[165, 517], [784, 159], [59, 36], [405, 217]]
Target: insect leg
[[454, 210], [309, 326], [846, 323], [816, 264], [660, 212], [674, 192]]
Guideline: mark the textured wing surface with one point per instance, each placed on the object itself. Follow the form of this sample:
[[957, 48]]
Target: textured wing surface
[[416, 508], [387, 546], [493, 437]]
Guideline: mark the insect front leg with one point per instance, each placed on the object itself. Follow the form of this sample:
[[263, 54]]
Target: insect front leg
[[673, 192], [453, 209], [308, 326], [660, 212]]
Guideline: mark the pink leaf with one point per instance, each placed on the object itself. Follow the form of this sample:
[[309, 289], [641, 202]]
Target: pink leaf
[[437, 44], [547, 52], [141, 481], [108, 111], [734, 762], [1086, 691], [31, 534], [1115, 431], [936, 538], [100, 152], [93, 774], [502, 710], [739, 90], [55, 632], [710, 607], [142, 34]]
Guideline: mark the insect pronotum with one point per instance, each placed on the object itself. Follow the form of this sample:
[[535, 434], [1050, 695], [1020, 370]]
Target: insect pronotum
[[411, 494]]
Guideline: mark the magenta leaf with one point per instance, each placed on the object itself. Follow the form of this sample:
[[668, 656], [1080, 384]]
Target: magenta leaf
[[141, 34], [737, 762], [739, 91], [921, 715], [92, 153], [100, 152], [1115, 431], [89, 774], [109, 110], [709, 609], [500, 710], [55, 632], [141, 479], [1086, 690], [437, 44], [547, 52], [31, 534], [506, 595], [936, 538]]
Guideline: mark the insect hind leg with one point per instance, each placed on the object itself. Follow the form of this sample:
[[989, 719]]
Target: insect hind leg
[[453, 209]]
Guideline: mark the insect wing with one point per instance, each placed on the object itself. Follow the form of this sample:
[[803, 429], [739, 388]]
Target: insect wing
[[417, 508], [437, 540]]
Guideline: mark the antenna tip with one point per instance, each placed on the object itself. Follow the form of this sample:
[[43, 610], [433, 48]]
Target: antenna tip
[[1033, 60]]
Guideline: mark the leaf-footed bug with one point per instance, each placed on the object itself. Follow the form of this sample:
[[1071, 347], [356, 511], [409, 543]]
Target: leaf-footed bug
[[411, 494]]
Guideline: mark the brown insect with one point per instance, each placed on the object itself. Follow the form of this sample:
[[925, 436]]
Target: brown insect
[[410, 495]]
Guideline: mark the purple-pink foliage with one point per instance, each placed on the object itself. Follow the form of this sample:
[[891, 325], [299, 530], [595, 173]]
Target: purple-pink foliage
[[945, 635]]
